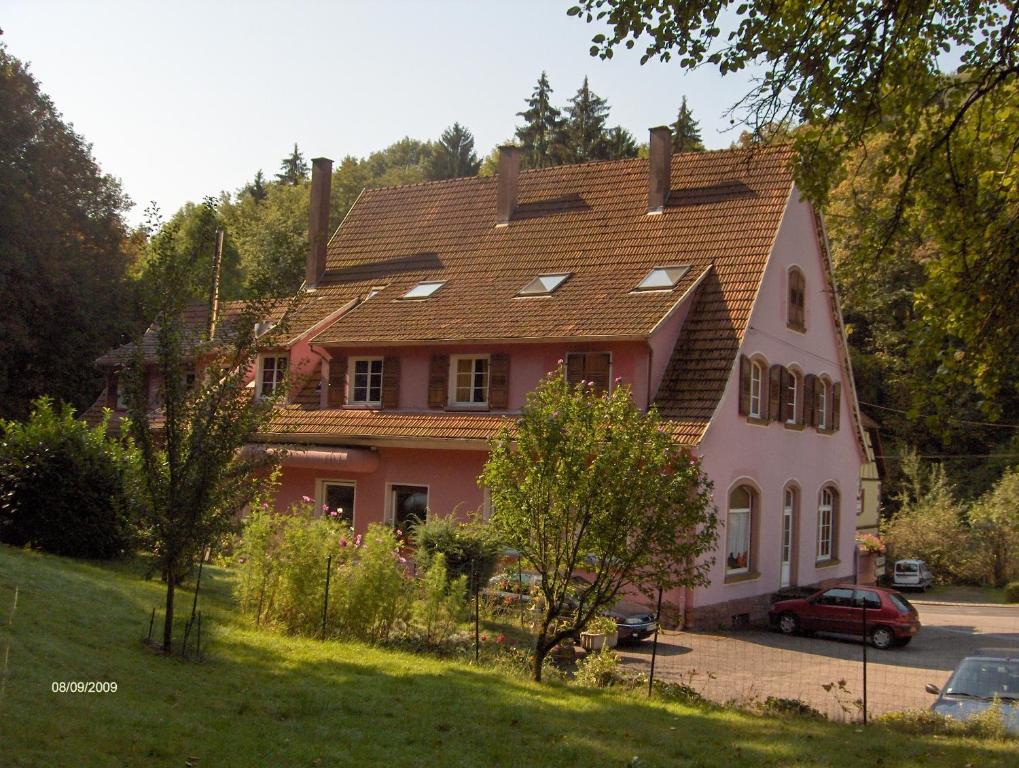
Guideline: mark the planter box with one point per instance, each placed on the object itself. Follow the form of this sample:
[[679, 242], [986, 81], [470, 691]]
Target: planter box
[[595, 642]]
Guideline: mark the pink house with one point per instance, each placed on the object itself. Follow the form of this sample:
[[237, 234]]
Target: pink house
[[700, 280]]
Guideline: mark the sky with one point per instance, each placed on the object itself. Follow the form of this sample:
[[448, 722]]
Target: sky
[[185, 99]]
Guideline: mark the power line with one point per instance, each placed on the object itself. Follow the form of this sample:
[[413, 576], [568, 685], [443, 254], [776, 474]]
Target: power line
[[946, 418]]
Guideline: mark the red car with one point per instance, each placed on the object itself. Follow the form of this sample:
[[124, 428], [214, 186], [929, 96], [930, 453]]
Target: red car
[[891, 620]]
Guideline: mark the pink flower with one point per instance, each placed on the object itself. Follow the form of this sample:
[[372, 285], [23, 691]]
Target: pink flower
[[559, 361], [334, 513], [325, 507], [484, 638], [343, 542], [399, 533], [403, 559], [265, 505], [306, 499], [500, 639], [357, 540], [618, 379]]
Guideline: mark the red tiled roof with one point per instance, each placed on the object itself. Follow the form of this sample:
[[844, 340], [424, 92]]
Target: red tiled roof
[[353, 424], [589, 219]]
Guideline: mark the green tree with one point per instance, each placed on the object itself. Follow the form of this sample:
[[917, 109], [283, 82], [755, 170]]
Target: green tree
[[256, 189], [195, 479], [65, 252], [589, 483], [620, 144], [453, 155], [686, 132], [582, 132], [293, 168], [542, 124], [995, 522]]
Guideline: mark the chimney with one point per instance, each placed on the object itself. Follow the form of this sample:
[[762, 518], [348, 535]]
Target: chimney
[[318, 220], [659, 169], [507, 177]]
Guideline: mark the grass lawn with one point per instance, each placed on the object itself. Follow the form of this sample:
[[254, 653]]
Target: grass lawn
[[967, 594], [264, 700]]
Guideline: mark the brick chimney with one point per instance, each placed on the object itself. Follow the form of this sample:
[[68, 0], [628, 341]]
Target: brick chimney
[[659, 169], [507, 178], [318, 220]]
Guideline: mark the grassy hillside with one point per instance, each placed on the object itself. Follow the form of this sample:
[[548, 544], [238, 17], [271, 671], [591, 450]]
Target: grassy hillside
[[261, 699]]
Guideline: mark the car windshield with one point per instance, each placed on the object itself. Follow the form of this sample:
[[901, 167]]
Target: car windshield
[[906, 567], [902, 604], [985, 679]]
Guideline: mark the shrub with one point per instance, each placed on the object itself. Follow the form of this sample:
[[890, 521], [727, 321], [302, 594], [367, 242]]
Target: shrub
[[600, 625], [995, 522], [924, 722], [64, 487], [599, 670], [1012, 592], [462, 544], [375, 596], [777, 706], [441, 603]]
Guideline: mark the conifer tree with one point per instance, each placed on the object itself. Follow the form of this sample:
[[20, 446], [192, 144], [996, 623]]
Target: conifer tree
[[620, 144], [256, 188], [293, 169], [686, 133], [541, 126], [453, 155], [583, 135]]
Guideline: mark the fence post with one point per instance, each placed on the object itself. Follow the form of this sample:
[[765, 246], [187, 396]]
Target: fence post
[[477, 605], [654, 644], [325, 600], [864, 603]]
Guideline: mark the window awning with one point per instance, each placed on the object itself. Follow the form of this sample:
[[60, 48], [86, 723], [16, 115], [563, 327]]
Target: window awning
[[344, 459]]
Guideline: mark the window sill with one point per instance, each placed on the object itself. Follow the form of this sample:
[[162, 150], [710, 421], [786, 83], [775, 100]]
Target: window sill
[[796, 327], [793, 425], [739, 578], [827, 563], [363, 406], [757, 421]]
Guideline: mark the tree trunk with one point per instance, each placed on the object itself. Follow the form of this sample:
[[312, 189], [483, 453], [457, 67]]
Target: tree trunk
[[540, 652], [171, 580]]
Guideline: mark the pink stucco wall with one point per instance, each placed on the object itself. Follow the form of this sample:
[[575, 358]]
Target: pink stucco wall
[[451, 477], [770, 456]]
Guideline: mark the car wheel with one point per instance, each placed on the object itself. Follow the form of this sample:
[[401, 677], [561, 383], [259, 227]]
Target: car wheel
[[882, 638], [788, 624]]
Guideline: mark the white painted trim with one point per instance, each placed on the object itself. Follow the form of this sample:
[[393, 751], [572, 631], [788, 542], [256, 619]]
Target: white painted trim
[[351, 373], [320, 494], [259, 370], [451, 400]]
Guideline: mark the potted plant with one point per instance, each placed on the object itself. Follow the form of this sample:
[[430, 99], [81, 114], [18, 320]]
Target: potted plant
[[600, 633]]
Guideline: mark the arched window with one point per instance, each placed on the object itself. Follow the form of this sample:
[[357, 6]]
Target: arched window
[[756, 389], [792, 393], [827, 523], [739, 530], [795, 318], [790, 502]]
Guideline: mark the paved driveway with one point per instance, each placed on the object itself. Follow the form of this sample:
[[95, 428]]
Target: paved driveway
[[757, 663]]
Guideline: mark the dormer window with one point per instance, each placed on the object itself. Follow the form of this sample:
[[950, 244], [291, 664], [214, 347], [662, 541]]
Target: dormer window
[[423, 290], [272, 374], [662, 278], [544, 285]]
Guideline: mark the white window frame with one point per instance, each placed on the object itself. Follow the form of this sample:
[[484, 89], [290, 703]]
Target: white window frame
[[756, 372], [787, 532], [796, 395], [454, 362], [320, 495], [822, 411], [352, 379], [749, 513], [389, 510], [826, 524], [261, 369]]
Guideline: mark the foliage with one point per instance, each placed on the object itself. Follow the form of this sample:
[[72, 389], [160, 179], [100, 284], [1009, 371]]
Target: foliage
[[375, 598], [293, 168], [469, 549], [1012, 592], [441, 604], [453, 155], [194, 477], [924, 722], [582, 133], [995, 522], [542, 124], [776, 706], [686, 133], [870, 543], [65, 487], [65, 252], [589, 482], [600, 625], [598, 670]]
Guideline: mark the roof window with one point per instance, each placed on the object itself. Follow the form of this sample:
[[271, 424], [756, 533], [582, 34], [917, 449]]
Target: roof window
[[662, 278], [423, 290], [543, 285], [375, 289]]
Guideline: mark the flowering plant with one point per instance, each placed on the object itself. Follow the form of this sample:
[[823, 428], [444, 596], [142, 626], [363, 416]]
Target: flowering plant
[[868, 542]]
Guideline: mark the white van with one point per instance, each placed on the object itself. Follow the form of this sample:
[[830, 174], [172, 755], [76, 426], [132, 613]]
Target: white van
[[912, 574]]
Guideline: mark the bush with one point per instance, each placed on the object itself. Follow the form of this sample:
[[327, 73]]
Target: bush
[[441, 603], [599, 670], [778, 707], [375, 598], [461, 544], [64, 487], [1012, 592], [995, 524], [924, 722]]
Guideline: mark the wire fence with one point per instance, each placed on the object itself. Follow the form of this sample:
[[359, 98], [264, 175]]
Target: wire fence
[[838, 676]]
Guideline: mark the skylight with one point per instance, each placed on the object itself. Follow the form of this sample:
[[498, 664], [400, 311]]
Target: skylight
[[662, 278], [374, 291], [543, 285], [422, 290]]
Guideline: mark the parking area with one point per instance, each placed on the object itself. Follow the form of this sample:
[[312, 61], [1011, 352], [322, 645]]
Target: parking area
[[827, 673]]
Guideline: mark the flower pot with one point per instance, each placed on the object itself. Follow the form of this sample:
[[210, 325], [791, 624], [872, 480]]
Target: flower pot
[[591, 641], [612, 640]]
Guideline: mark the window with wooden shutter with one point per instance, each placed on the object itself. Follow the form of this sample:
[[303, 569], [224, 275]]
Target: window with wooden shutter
[[836, 404], [775, 391], [809, 384], [438, 379], [498, 381], [391, 382], [790, 397], [595, 367], [797, 300], [744, 385], [337, 382]]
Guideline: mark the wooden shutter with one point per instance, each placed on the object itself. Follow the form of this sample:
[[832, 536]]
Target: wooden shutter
[[797, 291], [775, 392], [574, 369], [498, 380], [391, 382], [836, 405], [801, 398], [598, 368], [809, 411], [744, 385], [111, 390], [438, 381], [337, 382]]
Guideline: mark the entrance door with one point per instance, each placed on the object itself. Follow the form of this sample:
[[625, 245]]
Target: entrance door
[[787, 538]]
